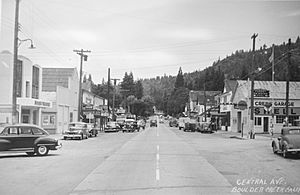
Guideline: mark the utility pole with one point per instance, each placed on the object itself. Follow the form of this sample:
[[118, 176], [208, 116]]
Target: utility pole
[[288, 84], [205, 117], [114, 97], [82, 57], [252, 136], [108, 84], [15, 62]]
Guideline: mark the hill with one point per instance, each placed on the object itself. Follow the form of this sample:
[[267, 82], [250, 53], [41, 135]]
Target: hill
[[235, 66]]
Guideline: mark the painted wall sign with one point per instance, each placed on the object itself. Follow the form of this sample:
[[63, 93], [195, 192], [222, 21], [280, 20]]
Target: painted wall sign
[[261, 93], [276, 103], [277, 111]]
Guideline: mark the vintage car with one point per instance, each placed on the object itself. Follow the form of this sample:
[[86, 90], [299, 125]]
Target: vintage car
[[173, 122], [141, 123], [92, 130], [288, 142], [204, 127], [77, 130], [190, 125], [153, 123], [182, 121], [27, 138], [130, 126], [112, 126]]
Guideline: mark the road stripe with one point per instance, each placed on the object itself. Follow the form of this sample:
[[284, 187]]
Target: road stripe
[[157, 163]]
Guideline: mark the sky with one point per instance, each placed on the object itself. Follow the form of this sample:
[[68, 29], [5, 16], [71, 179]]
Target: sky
[[149, 37]]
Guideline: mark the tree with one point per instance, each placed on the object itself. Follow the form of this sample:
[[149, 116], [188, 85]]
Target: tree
[[90, 78], [139, 89], [179, 79], [127, 85]]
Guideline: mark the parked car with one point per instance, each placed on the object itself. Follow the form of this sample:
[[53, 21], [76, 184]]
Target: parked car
[[173, 123], [182, 121], [92, 130], [190, 125], [112, 126], [288, 142], [141, 124], [77, 130], [153, 123], [130, 126], [204, 127], [27, 138]]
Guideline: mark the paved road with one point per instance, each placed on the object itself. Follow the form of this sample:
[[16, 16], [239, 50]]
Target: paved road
[[158, 160]]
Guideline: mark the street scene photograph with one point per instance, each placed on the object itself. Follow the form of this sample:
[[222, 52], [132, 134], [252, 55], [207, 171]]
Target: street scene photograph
[[161, 97]]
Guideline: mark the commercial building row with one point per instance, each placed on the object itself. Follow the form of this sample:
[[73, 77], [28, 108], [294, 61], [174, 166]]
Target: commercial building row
[[45, 96], [231, 108]]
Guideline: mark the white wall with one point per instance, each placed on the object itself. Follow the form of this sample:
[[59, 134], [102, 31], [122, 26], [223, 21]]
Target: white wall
[[7, 25]]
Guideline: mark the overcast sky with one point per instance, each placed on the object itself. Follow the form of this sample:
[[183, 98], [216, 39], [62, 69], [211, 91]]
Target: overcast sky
[[150, 37]]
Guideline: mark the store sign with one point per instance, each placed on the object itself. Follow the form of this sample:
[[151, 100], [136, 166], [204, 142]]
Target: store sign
[[275, 103], [276, 111], [34, 102], [261, 93], [242, 105]]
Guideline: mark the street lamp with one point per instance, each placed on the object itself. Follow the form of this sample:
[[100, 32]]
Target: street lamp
[[17, 43]]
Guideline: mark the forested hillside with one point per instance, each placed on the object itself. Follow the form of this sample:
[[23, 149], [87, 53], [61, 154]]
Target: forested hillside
[[235, 66]]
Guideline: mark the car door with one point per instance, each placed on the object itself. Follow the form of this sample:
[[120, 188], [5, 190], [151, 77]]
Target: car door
[[26, 138], [10, 136], [5, 140]]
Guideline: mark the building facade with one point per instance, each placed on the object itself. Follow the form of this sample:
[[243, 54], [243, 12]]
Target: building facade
[[60, 86], [269, 105], [29, 86], [94, 108]]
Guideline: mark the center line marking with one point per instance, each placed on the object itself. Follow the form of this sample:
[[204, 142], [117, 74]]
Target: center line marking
[[157, 163]]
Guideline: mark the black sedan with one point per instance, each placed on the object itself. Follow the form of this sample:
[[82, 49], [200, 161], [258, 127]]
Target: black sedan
[[288, 142], [30, 139]]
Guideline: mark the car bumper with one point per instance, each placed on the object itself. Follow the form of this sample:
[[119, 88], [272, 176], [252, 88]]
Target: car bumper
[[59, 146], [293, 150], [72, 136]]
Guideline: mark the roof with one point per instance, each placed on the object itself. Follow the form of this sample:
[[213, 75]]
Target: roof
[[198, 96], [53, 77], [277, 89], [230, 85]]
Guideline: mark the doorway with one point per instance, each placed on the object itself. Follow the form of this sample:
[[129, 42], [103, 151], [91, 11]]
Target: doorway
[[239, 122], [266, 124]]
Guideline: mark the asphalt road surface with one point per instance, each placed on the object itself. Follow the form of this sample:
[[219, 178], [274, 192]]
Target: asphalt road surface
[[158, 160]]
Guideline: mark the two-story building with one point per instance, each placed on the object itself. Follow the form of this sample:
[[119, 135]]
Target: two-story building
[[28, 90], [94, 107], [60, 86]]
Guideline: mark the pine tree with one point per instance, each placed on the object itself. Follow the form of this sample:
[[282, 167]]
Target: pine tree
[[179, 79]]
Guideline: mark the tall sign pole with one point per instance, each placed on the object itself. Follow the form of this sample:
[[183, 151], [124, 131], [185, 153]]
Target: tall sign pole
[[82, 57], [252, 88], [114, 98], [15, 62]]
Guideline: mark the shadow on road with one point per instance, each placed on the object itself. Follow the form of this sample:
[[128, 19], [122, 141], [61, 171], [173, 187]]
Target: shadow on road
[[24, 156]]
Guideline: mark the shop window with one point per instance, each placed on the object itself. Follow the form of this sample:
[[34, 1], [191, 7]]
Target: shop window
[[19, 73], [35, 82], [280, 118], [71, 116], [27, 89], [257, 121]]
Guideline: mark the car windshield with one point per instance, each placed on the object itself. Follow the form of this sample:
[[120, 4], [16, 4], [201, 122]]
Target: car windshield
[[294, 131]]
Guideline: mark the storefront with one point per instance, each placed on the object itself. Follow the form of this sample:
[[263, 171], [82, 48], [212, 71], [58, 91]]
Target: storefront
[[30, 110]]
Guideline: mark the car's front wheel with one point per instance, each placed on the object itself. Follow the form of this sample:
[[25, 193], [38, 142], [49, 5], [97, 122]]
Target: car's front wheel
[[274, 149], [42, 150]]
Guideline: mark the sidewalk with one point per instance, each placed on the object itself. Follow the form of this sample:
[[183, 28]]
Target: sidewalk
[[230, 134]]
